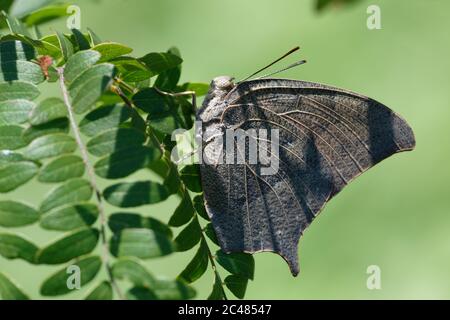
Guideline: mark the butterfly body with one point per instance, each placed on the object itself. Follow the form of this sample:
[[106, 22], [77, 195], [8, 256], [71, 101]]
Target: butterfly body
[[326, 136]]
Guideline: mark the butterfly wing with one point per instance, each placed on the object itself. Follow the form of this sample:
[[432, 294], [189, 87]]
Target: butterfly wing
[[327, 137]]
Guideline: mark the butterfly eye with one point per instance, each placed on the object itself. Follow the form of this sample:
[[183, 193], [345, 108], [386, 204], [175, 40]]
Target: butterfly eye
[[223, 82]]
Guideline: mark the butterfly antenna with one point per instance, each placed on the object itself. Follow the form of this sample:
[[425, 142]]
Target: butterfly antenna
[[284, 69], [271, 64]]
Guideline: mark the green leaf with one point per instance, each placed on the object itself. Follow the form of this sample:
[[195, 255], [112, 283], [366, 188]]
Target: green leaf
[[164, 114], [111, 50], [11, 137], [46, 14], [70, 217], [134, 194], [50, 128], [200, 89], [237, 263], [189, 236], [8, 156], [14, 111], [15, 174], [50, 146], [183, 213], [15, 25], [47, 110], [190, 175], [140, 293], [15, 247], [62, 169], [172, 180], [209, 231], [125, 162], [65, 45], [68, 247], [80, 39], [16, 214], [58, 283], [95, 39], [131, 69], [217, 291], [165, 289], [168, 79], [71, 191], [120, 221], [199, 205], [78, 63], [157, 63], [9, 290], [141, 243], [21, 70], [21, 8], [102, 292], [237, 285], [87, 88], [14, 50], [18, 90], [104, 118], [198, 265], [130, 268], [114, 140], [136, 273]]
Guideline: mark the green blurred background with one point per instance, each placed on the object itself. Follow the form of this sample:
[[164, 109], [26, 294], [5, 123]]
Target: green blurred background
[[397, 215]]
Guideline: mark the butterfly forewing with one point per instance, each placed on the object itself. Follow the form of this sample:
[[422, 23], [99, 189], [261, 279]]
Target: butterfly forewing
[[327, 137]]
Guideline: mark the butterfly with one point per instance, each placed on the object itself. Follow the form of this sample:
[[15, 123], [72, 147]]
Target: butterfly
[[327, 137]]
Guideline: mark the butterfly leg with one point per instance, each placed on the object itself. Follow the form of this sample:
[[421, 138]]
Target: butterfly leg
[[180, 94]]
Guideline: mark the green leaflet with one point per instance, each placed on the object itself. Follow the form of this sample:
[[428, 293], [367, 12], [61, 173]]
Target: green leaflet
[[87, 88], [50, 146], [114, 140], [65, 45], [120, 221], [72, 191], [47, 110], [183, 213], [237, 285], [197, 266], [11, 137], [60, 125], [46, 14], [21, 70], [68, 247], [140, 243], [62, 169], [102, 292], [78, 63], [17, 214], [58, 283], [189, 236], [14, 50], [18, 90], [125, 162], [158, 62], [104, 118], [9, 290], [15, 174], [134, 194], [70, 217], [15, 247], [238, 263], [15, 111], [111, 50]]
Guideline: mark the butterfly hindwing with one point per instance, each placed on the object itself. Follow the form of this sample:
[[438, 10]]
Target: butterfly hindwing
[[327, 137]]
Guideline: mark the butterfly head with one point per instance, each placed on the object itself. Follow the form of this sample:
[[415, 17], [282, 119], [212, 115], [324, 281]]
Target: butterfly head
[[222, 83]]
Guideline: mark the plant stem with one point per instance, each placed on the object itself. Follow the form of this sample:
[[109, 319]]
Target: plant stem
[[92, 181]]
